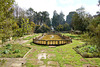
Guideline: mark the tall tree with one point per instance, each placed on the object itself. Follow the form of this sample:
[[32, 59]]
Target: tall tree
[[6, 14], [45, 18], [61, 18], [55, 19], [30, 13], [94, 32], [69, 17], [80, 20], [5, 9]]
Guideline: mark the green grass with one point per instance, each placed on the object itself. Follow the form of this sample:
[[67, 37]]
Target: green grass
[[74, 36], [30, 37], [13, 51], [65, 54]]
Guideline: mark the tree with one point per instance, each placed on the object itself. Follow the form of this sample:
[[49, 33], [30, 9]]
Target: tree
[[80, 20], [6, 29], [69, 17], [21, 14], [42, 29], [59, 28], [32, 24], [45, 18], [61, 18], [57, 19], [66, 27], [26, 28], [6, 13], [30, 13], [5, 9], [94, 32]]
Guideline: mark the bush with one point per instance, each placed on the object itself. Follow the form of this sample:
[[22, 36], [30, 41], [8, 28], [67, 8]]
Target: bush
[[17, 51], [85, 54], [6, 51], [29, 47], [8, 45], [19, 56]]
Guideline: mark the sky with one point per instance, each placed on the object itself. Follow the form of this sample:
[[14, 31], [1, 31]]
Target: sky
[[65, 6]]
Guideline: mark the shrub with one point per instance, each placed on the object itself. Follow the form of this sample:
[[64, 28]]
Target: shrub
[[90, 55], [8, 45], [6, 51], [86, 49], [19, 56], [85, 54], [29, 47], [78, 51], [17, 51]]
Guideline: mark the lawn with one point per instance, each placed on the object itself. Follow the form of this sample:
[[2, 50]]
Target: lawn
[[30, 37], [13, 51], [74, 36], [59, 56]]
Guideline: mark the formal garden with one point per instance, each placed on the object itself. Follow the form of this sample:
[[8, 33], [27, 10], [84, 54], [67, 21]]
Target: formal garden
[[30, 38], [75, 54]]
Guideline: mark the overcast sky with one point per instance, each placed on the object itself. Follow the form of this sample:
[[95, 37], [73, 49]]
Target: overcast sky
[[59, 5]]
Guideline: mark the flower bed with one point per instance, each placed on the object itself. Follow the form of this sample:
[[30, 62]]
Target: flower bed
[[87, 51]]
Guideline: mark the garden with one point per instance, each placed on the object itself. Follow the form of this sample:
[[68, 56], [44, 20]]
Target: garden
[[27, 36], [72, 54], [13, 51]]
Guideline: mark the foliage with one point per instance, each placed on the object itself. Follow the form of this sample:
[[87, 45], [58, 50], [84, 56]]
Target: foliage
[[59, 28], [69, 17], [6, 29], [17, 51], [64, 27], [6, 51], [32, 24], [94, 32], [6, 14], [65, 54], [30, 13], [5, 9], [57, 19], [87, 51], [8, 45], [13, 52], [26, 28], [43, 28], [80, 20]]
